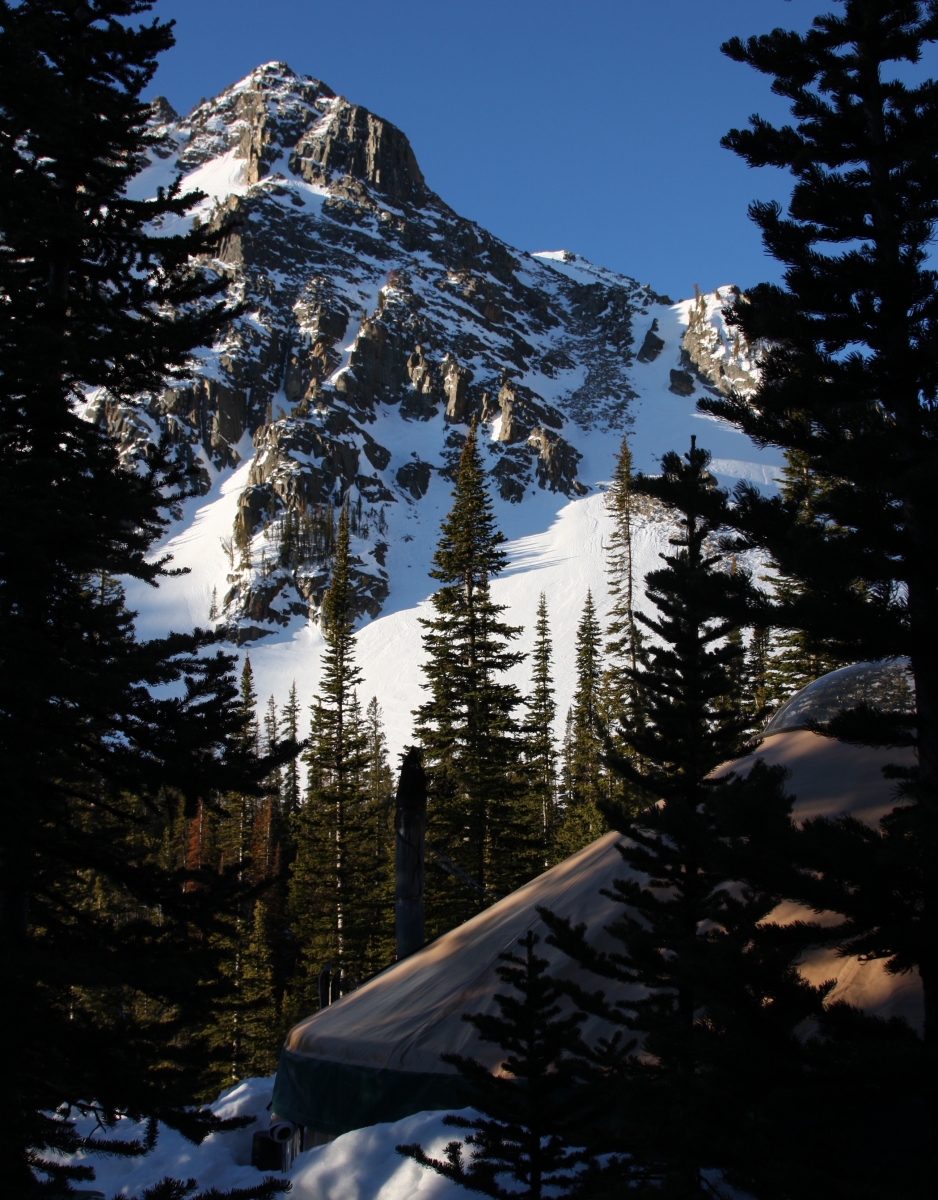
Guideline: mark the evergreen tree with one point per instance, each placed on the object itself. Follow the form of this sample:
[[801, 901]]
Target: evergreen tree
[[333, 875], [106, 743], [757, 697], [797, 656], [621, 701], [849, 382], [623, 644], [582, 820], [717, 997], [528, 1121], [480, 812], [233, 837], [693, 722], [541, 749], [378, 785], [290, 725], [266, 953], [243, 840]]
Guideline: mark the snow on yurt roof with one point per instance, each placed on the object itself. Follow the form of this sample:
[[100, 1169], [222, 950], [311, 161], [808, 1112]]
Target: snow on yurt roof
[[396, 1026]]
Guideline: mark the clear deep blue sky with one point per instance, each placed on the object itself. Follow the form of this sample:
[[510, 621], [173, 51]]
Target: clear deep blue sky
[[592, 126]]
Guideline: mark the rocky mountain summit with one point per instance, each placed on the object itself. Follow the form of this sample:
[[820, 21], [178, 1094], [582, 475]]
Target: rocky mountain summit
[[373, 323]]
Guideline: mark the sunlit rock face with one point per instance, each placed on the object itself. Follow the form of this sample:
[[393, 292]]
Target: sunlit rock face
[[373, 324]]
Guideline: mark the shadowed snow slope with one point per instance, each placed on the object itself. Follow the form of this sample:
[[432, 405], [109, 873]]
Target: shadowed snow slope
[[362, 1165]]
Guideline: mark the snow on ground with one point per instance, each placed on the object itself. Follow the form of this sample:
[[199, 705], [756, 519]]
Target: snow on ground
[[362, 1165]]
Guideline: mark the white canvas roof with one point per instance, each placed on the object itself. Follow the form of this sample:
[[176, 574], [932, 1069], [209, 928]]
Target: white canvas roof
[[404, 1018]]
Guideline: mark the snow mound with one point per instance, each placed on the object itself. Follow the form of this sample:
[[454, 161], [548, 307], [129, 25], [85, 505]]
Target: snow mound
[[361, 1165]]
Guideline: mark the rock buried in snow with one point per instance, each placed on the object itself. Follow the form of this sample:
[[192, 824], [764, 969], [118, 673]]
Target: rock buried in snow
[[682, 384]]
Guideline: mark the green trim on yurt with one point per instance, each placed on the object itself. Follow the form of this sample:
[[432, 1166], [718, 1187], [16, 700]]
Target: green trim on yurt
[[335, 1098]]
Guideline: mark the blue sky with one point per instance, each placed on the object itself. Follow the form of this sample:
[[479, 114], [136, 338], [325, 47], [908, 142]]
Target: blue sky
[[591, 126]]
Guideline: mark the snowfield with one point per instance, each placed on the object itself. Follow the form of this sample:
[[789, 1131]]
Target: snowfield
[[555, 545], [361, 1165]]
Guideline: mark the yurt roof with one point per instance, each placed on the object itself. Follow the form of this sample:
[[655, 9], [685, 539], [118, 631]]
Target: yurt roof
[[375, 1054]]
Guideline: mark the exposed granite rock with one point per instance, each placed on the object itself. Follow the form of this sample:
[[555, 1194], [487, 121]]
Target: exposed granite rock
[[511, 474], [723, 362], [377, 367], [379, 456], [682, 384], [556, 462], [162, 113], [490, 410], [350, 141], [258, 119], [423, 376], [414, 477], [456, 380], [519, 410], [651, 346]]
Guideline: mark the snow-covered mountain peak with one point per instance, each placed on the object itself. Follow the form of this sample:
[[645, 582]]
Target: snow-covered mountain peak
[[377, 323], [279, 123]]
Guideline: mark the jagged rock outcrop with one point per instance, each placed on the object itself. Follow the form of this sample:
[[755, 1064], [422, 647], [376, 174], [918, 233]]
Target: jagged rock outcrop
[[350, 141], [556, 462], [519, 410], [682, 383], [456, 381], [723, 362], [414, 477], [651, 346]]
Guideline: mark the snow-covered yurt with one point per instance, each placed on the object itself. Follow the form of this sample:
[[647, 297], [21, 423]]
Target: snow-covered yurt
[[374, 1055]]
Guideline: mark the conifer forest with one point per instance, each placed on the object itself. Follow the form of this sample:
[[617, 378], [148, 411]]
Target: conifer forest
[[189, 867]]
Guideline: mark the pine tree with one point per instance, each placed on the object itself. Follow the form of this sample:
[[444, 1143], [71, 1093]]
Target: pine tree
[[378, 856], [333, 872], [849, 384], [797, 656], [380, 785], [621, 701], [234, 842], [102, 738], [623, 634], [694, 949], [528, 1121], [541, 752], [693, 722], [582, 820], [480, 812], [266, 949], [758, 699], [290, 725]]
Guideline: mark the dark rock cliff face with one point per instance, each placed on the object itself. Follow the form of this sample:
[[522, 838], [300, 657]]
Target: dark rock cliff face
[[364, 295]]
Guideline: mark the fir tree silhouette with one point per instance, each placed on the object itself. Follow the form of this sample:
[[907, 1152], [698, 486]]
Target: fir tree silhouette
[[847, 390], [109, 745], [714, 993], [526, 1139]]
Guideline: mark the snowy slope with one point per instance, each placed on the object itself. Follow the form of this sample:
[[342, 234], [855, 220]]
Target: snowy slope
[[377, 323], [556, 546]]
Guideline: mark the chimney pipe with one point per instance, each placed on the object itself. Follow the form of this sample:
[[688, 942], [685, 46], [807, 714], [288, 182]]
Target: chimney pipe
[[410, 824]]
